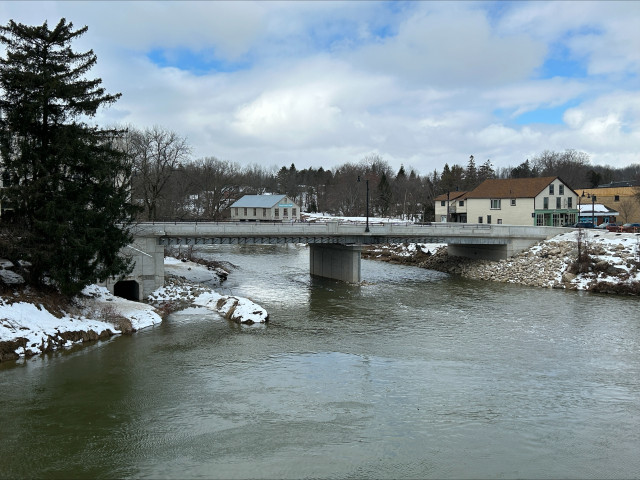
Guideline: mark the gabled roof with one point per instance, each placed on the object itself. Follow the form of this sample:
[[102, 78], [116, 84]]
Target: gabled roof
[[457, 195], [511, 187], [258, 201]]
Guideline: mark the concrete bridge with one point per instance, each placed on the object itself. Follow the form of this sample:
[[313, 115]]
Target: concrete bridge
[[334, 246]]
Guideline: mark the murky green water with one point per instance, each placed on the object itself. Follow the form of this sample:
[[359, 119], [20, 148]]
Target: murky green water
[[411, 375]]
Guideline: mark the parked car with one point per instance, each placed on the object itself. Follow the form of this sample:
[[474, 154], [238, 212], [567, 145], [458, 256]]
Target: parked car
[[583, 225], [630, 228], [613, 227]]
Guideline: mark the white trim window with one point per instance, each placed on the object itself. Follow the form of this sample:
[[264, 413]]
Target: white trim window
[[495, 204]]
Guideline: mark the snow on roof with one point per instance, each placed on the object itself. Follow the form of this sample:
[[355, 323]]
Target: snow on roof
[[258, 201]]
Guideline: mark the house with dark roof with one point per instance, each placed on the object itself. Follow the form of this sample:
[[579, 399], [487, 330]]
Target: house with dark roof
[[542, 201], [265, 208], [513, 201], [451, 207]]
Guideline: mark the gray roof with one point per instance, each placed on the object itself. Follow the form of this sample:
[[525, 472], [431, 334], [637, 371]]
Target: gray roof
[[258, 201]]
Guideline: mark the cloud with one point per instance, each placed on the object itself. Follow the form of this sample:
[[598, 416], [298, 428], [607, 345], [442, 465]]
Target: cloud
[[324, 83]]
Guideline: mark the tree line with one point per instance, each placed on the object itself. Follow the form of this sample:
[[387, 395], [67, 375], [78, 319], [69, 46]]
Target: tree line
[[169, 185]]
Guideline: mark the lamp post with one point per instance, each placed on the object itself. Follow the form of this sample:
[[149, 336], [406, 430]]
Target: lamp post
[[366, 229], [593, 213]]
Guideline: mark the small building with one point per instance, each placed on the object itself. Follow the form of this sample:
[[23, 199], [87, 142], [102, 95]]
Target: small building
[[597, 213], [451, 207], [543, 201], [623, 199], [265, 208]]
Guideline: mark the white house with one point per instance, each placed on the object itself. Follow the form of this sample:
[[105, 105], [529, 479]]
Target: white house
[[451, 207], [265, 208], [514, 201]]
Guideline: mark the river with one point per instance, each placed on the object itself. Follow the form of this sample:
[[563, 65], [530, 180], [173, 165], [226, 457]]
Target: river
[[413, 374]]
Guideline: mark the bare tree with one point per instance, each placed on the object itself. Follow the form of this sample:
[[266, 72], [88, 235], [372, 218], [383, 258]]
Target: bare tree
[[157, 154], [217, 186], [626, 208]]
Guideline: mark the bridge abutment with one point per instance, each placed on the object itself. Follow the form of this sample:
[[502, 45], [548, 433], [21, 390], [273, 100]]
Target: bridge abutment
[[339, 262], [148, 270]]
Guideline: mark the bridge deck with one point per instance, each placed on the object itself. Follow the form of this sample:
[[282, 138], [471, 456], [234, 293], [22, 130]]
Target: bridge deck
[[346, 233]]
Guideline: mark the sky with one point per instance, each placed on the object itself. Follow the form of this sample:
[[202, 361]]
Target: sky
[[322, 83]]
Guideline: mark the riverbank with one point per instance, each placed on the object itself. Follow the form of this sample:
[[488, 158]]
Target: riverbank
[[33, 322], [613, 264]]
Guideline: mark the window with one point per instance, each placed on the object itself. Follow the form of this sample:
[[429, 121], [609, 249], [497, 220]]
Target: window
[[442, 203], [499, 221], [294, 212], [285, 212], [245, 211], [479, 219], [545, 203], [255, 212], [488, 218], [264, 212], [495, 204], [443, 218], [558, 202], [236, 209], [551, 189], [616, 198], [513, 202], [570, 202], [461, 203], [276, 213], [560, 189]]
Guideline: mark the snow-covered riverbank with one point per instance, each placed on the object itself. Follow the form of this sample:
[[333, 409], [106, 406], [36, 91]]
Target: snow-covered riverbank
[[31, 323], [614, 265]]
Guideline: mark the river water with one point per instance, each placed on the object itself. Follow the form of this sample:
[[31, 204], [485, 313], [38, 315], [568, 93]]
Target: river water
[[413, 374]]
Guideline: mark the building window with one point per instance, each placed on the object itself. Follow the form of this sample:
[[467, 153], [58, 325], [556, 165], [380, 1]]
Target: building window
[[513, 202], [443, 218], [495, 204], [294, 212], [442, 203], [479, 219], [285, 212], [616, 198], [255, 212], [276, 213], [540, 220], [461, 203], [570, 202], [488, 218], [560, 189], [545, 203], [499, 221], [245, 211], [236, 209], [551, 189], [264, 212], [558, 202]]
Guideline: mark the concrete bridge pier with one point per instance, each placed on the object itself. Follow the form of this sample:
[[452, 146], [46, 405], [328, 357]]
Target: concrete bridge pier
[[339, 262]]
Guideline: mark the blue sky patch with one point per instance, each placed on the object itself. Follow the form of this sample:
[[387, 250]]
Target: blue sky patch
[[548, 116], [198, 63]]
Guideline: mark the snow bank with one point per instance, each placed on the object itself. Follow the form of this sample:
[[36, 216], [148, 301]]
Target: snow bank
[[185, 290], [29, 329]]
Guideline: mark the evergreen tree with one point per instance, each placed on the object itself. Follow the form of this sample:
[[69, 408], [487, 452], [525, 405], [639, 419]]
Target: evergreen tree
[[471, 175], [384, 195], [68, 181]]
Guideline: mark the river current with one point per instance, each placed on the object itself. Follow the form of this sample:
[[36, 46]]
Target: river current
[[412, 374]]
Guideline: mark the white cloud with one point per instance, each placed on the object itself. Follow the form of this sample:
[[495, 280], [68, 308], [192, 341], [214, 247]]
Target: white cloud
[[323, 83]]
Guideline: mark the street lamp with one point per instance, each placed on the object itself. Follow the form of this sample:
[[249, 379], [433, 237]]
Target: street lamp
[[593, 205], [367, 182]]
